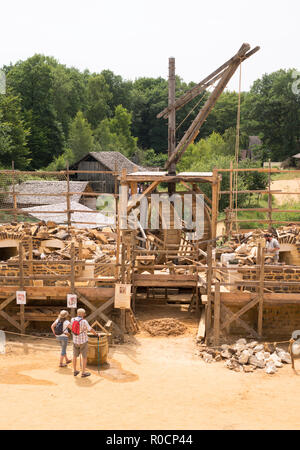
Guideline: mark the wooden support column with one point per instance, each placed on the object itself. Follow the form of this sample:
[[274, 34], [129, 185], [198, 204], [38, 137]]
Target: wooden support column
[[21, 282], [171, 123], [30, 256], [230, 200], [217, 310], [269, 197], [68, 196], [208, 283], [13, 189], [261, 292], [215, 203], [72, 275]]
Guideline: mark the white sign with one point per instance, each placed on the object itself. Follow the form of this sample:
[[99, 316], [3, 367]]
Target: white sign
[[71, 301], [21, 297], [122, 296]]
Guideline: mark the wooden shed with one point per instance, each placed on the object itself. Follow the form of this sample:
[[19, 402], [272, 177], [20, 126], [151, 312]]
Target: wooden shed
[[103, 161]]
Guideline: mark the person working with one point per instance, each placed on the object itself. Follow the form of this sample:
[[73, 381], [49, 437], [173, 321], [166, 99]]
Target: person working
[[272, 246], [80, 327]]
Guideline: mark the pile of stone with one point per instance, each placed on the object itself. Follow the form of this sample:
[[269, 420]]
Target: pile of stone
[[247, 357], [164, 327], [242, 248], [53, 242]]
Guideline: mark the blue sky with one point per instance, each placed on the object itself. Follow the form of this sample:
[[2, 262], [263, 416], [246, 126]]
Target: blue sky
[[135, 38]]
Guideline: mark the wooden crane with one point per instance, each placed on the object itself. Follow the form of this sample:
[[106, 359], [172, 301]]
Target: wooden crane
[[223, 74]]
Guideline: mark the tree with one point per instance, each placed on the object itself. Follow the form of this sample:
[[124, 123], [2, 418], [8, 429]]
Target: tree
[[99, 96], [13, 133], [115, 134], [33, 81], [272, 111], [81, 140]]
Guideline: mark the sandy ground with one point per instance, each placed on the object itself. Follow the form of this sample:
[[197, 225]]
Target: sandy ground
[[151, 383], [286, 186]]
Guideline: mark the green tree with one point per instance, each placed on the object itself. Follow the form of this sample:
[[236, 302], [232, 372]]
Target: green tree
[[81, 140], [13, 145], [33, 81], [272, 111], [99, 96], [115, 133]]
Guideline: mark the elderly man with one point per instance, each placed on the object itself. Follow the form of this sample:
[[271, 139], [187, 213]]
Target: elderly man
[[80, 327], [272, 246]]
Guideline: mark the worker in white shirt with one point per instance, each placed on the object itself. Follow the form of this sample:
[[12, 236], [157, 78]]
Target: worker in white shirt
[[272, 246]]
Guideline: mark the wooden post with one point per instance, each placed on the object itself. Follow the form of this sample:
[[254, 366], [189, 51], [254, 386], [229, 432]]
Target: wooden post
[[30, 257], [171, 122], [215, 202], [261, 292], [14, 194], [72, 275], [21, 272], [217, 307], [68, 197], [208, 283], [230, 201], [269, 197]]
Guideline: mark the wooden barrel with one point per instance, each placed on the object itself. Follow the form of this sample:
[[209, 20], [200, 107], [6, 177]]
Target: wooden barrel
[[96, 355]]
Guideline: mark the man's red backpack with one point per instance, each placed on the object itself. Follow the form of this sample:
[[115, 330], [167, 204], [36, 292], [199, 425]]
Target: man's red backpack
[[76, 327]]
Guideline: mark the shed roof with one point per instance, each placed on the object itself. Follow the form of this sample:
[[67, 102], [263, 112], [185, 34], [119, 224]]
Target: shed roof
[[34, 189], [85, 214], [113, 160]]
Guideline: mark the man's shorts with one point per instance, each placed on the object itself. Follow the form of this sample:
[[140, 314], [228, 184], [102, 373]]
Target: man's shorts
[[80, 348]]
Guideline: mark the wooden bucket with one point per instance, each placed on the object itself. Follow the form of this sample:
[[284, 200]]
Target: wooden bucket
[[96, 355]]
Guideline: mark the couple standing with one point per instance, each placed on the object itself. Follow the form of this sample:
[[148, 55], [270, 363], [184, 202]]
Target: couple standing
[[79, 328]]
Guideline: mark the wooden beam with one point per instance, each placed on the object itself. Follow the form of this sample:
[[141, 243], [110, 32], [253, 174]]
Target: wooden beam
[[194, 128], [147, 191], [205, 83], [217, 311], [241, 322], [235, 316]]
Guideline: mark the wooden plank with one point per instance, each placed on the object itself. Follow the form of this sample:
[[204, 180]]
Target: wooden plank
[[261, 292], [217, 311], [209, 282], [101, 308], [7, 301], [149, 189], [201, 327], [12, 321], [239, 313], [241, 322]]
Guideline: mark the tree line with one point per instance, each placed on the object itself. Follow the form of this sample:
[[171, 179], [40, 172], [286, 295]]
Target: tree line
[[52, 114]]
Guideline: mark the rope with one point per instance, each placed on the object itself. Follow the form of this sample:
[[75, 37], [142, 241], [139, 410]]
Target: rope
[[274, 343], [30, 335]]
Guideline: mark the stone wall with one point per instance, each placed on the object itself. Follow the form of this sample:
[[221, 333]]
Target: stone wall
[[277, 275]]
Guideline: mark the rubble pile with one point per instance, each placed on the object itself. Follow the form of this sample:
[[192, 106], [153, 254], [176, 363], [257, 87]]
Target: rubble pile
[[247, 357], [164, 327], [243, 247], [53, 242]]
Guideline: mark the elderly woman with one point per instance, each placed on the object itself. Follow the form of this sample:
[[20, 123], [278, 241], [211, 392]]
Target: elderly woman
[[60, 329]]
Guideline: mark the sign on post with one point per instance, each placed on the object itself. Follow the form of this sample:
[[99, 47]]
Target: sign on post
[[21, 297], [122, 296], [71, 301]]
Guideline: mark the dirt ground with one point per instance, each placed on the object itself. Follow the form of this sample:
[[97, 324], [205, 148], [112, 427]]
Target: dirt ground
[[286, 186], [151, 383]]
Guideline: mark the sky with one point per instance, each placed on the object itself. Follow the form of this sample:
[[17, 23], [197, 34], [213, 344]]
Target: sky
[[135, 38]]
